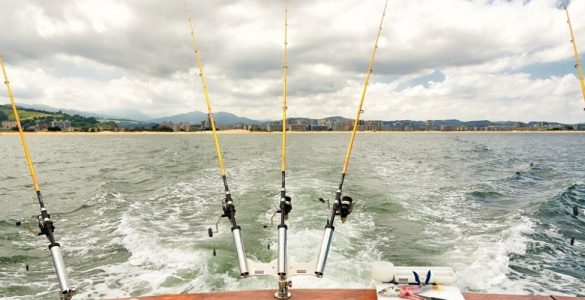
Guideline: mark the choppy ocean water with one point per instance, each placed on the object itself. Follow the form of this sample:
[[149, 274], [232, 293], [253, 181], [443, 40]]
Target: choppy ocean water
[[132, 211]]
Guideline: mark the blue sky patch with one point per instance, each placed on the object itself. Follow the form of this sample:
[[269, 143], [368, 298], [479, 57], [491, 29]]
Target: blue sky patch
[[547, 70]]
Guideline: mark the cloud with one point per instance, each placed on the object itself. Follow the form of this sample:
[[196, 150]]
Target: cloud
[[499, 60]]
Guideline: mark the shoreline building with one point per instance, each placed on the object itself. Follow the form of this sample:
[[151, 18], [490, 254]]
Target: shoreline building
[[8, 125]]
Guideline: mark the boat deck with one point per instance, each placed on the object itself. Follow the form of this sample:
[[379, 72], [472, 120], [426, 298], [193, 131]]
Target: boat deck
[[337, 294]]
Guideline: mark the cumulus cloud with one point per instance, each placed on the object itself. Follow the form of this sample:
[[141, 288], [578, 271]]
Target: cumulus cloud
[[495, 58]]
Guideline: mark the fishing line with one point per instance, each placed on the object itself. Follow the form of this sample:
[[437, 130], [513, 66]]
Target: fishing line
[[229, 210], [343, 206], [44, 219]]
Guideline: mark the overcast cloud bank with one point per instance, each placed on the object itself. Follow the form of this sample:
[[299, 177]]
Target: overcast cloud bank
[[498, 60]]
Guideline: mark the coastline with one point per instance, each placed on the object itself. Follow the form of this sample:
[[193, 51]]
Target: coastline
[[246, 132]]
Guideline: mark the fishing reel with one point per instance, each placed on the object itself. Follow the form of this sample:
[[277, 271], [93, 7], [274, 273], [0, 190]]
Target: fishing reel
[[45, 225], [42, 224], [343, 210], [229, 211], [285, 208]]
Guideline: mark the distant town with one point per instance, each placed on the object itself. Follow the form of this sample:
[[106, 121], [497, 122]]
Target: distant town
[[35, 120]]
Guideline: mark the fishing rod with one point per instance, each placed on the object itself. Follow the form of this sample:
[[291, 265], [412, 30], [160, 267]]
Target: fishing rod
[[44, 219], [580, 72], [343, 206], [229, 210], [575, 51], [285, 201]]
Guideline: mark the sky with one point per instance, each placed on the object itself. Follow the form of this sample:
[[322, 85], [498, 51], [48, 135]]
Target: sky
[[448, 59]]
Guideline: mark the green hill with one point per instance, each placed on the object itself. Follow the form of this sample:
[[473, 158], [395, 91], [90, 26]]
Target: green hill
[[33, 119], [24, 113], [37, 119]]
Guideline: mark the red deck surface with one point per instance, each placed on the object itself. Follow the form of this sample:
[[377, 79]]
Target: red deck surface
[[336, 294]]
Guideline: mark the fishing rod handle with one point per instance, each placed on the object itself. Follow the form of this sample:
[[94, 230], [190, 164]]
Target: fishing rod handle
[[324, 250], [282, 250], [66, 288], [237, 232]]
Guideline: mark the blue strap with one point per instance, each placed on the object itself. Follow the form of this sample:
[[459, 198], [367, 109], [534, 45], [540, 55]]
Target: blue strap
[[428, 279], [416, 278]]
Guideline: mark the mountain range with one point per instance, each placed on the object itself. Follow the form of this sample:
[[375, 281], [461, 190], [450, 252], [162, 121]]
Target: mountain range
[[120, 115], [195, 117]]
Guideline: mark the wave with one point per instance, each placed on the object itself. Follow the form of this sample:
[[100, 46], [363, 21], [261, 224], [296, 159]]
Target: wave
[[485, 195], [554, 264]]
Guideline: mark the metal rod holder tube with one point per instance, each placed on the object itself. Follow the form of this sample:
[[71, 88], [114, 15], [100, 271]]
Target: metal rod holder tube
[[324, 251], [282, 250], [237, 232], [283, 286], [60, 269]]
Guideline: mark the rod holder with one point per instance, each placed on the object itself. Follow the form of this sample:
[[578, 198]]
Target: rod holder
[[324, 251], [283, 285], [237, 232], [66, 290], [282, 241]]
